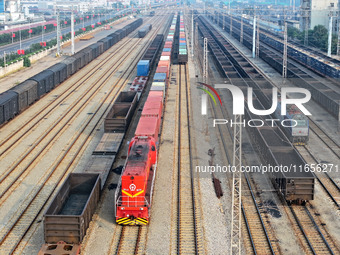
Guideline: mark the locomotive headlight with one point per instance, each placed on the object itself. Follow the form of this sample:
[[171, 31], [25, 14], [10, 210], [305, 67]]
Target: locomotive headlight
[[141, 208], [122, 208]]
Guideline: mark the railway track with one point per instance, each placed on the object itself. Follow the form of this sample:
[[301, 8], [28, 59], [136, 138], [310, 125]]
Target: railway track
[[187, 208], [325, 180], [19, 223], [261, 238], [186, 227], [132, 240], [311, 233]]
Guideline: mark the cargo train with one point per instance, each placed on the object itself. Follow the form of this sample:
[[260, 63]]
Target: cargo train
[[290, 179], [18, 98], [297, 130], [322, 94], [133, 198], [144, 30]]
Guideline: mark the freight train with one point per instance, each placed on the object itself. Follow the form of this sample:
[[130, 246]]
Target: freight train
[[18, 98], [322, 94], [133, 196], [69, 214], [183, 51], [297, 130], [291, 179]]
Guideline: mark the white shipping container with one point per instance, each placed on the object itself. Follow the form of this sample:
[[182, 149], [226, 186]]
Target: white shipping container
[[167, 58]]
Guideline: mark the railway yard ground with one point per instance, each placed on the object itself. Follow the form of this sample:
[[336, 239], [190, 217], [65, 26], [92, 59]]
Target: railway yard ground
[[189, 214]]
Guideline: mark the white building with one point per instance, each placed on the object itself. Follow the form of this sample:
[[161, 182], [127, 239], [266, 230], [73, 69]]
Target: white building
[[317, 12]]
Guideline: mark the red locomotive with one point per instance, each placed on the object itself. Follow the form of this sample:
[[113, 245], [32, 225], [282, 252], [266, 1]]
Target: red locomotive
[[134, 192]]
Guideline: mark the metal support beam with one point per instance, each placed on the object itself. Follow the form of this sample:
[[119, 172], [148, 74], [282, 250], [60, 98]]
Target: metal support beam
[[205, 61], [192, 33], [338, 45], [231, 23], [241, 33], [258, 38], [330, 28], [223, 21], [237, 189], [58, 33], [72, 32], [284, 64], [254, 35]]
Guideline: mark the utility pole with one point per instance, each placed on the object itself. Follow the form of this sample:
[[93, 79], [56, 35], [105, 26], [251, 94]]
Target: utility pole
[[284, 64], [254, 35], [237, 189], [205, 61], [42, 33], [72, 32], [192, 33], [305, 12], [330, 28], [241, 33], [338, 45], [58, 33], [258, 38], [4, 59], [20, 38], [223, 20], [231, 23]]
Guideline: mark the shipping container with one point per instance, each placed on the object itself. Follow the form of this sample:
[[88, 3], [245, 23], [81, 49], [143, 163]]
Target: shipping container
[[159, 77], [143, 67], [163, 69], [69, 215], [157, 87], [148, 126]]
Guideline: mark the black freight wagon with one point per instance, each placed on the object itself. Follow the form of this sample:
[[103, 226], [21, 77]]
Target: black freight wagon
[[27, 93], [8, 106], [45, 80]]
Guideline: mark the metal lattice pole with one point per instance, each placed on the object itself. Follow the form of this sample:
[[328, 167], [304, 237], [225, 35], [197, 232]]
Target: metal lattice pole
[[223, 20], [231, 23], [330, 28], [284, 64], [241, 33], [72, 32], [254, 35], [258, 38], [58, 33], [305, 10], [205, 61], [237, 189], [338, 45], [192, 33]]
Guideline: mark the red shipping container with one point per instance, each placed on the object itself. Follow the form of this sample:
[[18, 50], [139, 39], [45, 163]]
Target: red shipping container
[[166, 53], [163, 69], [164, 63], [154, 94], [148, 126], [153, 109]]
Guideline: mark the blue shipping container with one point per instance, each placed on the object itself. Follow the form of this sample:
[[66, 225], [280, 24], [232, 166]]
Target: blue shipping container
[[159, 77], [143, 68], [166, 49], [182, 44]]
